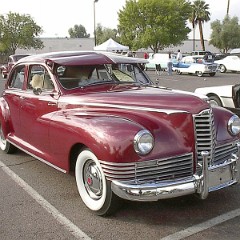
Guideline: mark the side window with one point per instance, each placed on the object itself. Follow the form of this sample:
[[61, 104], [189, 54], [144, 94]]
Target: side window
[[39, 78], [17, 77]]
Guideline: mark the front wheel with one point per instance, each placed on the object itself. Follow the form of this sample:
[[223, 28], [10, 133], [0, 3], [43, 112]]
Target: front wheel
[[94, 188]]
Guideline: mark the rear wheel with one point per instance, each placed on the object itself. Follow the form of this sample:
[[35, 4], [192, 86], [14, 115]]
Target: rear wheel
[[4, 75], [94, 188], [5, 146], [199, 74], [212, 74]]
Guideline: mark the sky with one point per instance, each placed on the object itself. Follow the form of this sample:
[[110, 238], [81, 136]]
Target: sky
[[56, 17]]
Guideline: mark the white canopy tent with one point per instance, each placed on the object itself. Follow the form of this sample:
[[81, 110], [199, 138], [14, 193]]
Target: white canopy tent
[[111, 45]]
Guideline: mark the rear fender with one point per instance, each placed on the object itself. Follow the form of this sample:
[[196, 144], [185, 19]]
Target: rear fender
[[5, 117]]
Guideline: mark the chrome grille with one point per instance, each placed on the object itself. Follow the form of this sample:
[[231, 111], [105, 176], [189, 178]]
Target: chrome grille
[[165, 169], [224, 152], [212, 67], [153, 170], [205, 134]]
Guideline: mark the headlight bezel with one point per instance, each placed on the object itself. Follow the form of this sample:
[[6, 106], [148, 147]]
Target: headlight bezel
[[233, 129], [142, 147]]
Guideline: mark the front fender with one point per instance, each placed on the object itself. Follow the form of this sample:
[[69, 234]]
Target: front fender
[[109, 137], [221, 118]]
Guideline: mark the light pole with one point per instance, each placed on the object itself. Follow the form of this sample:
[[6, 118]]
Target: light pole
[[94, 22]]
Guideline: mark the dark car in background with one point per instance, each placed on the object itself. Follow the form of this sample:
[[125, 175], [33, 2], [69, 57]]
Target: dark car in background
[[12, 59], [98, 115]]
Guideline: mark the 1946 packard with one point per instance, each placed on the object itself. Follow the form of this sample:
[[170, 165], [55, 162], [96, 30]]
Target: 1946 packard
[[99, 114]]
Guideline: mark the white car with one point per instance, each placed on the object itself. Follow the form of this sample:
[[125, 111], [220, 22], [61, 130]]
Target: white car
[[159, 59], [195, 65], [227, 96], [229, 63]]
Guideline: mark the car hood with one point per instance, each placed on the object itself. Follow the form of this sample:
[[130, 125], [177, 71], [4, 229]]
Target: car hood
[[139, 98]]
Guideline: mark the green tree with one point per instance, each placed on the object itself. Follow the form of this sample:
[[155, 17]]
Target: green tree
[[202, 15], [103, 34], [153, 23], [225, 35], [18, 31], [78, 31]]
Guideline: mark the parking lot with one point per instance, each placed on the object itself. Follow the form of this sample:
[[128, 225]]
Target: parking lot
[[38, 202]]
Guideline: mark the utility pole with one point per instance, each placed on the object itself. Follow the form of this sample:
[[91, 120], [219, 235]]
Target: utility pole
[[228, 7], [94, 22]]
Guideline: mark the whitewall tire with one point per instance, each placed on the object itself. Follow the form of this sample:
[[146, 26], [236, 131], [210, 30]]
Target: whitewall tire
[[5, 146], [93, 187]]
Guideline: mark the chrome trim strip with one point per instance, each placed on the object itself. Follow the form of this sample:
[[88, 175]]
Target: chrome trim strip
[[38, 158], [167, 111]]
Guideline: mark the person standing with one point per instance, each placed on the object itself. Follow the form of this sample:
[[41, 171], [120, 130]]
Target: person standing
[[146, 56], [208, 57], [169, 64], [179, 55]]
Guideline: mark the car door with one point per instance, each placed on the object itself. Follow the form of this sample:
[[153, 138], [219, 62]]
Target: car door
[[36, 108], [235, 63], [13, 96], [232, 63]]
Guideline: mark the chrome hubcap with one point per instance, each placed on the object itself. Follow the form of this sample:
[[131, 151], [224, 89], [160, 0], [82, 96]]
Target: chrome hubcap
[[92, 179]]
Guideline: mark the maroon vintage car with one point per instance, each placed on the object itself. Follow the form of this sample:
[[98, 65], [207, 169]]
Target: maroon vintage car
[[12, 59], [99, 115]]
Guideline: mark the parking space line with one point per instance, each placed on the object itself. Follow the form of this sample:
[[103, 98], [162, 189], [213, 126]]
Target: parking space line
[[203, 226], [72, 228]]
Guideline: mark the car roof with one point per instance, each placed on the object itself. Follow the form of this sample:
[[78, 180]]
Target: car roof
[[194, 56], [82, 58], [18, 56]]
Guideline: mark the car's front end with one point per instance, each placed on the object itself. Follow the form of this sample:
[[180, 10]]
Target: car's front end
[[175, 167]]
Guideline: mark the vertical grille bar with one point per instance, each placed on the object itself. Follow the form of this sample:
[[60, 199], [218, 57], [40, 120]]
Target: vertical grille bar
[[205, 135]]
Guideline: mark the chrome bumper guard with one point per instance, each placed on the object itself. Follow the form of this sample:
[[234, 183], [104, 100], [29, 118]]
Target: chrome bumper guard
[[211, 179]]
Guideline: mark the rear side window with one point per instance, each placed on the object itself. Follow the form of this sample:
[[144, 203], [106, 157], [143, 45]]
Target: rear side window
[[17, 78]]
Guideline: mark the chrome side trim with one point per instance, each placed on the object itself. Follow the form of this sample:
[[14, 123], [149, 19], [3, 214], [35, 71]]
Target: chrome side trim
[[38, 158], [167, 111]]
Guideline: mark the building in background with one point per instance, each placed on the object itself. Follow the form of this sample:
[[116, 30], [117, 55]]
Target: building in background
[[87, 44]]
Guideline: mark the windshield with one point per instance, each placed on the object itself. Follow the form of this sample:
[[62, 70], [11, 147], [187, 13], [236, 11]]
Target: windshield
[[72, 77]]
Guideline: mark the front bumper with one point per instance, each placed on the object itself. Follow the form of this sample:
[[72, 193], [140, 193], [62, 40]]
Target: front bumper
[[211, 179]]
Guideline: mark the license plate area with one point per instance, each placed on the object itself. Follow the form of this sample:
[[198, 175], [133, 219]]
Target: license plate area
[[220, 176]]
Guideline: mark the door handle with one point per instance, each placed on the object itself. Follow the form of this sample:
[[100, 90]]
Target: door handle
[[52, 104]]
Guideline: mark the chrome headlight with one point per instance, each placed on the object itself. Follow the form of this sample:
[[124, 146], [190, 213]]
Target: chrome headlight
[[143, 142], [234, 125]]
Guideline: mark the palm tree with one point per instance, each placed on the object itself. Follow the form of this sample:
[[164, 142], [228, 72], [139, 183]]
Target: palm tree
[[191, 20], [201, 13]]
